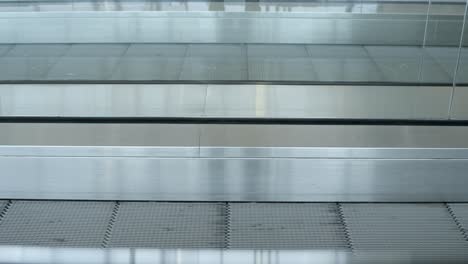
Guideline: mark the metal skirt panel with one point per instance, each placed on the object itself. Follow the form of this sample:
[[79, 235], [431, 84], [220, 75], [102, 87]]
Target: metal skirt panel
[[234, 179], [227, 101], [229, 136]]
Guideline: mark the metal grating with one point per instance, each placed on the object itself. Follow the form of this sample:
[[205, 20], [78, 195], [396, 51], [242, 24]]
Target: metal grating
[[168, 225], [422, 229], [403, 230], [460, 213], [2, 204], [55, 223], [286, 226]]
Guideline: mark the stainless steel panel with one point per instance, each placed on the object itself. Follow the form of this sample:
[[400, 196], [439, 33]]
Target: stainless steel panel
[[102, 100], [232, 135], [124, 151], [225, 27], [298, 152], [301, 141], [460, 103], [269, 101], [267, 136], [99, 135], [55, 223], [234, 152], [403, 102], [234, 179]]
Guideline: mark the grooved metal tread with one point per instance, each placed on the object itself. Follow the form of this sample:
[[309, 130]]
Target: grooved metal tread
[[419, 229], [54, 223], [3, 203], [294, 226], [422, 229], [168, 225], [460, 211]]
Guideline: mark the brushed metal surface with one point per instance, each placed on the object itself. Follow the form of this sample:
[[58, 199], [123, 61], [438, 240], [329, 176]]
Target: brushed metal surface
[[125, 151], [417, 102], [232, 135], [299, 152], [234, 179], [102, 100], [460, 103], [232, 141], [264, 101], [234, 152], [227, 27], [117, 135], [303, 136]]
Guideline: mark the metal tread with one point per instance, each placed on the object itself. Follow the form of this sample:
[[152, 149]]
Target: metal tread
[[55, 223], [460, 213], [168, 225], [422, 229], [418, 229], [293, 226]]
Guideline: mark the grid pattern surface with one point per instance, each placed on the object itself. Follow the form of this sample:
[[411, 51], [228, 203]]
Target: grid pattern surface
[[422, 229], [254, 62], [169, 225], [460, 211], [55, 223], [2, 205], [286, 226]]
